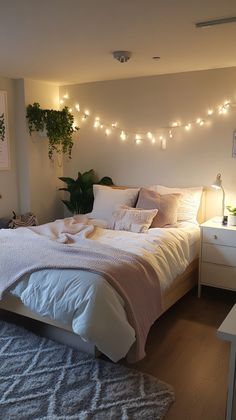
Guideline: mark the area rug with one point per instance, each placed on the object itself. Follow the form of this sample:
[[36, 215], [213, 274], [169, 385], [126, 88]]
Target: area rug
[[41, 379]]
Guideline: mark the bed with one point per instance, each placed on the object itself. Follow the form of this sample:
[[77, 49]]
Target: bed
[[177, 270]]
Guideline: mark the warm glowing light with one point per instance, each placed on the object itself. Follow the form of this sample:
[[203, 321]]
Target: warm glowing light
[[108, 131], [70, 109], [96, 123], [198, 120], [149, 135], [123, 135], [138, 139], [202, 122], [153, 140], [74, 125], [66, 96], [101, 126], [87, 112], [83, 118], [170, 134], [161, 138], [77, 107], [114, 125], [188, 126], [61, 101], [175, 124], [163, 143], [210, 112]]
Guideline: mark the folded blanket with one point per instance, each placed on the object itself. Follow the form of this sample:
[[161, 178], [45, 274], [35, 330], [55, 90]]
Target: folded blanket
[[66, 244]]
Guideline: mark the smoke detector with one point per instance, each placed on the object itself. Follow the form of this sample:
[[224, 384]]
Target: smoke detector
[[122, 56]]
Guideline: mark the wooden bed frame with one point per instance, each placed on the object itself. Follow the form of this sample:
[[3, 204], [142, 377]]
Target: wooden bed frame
[[64, 334]]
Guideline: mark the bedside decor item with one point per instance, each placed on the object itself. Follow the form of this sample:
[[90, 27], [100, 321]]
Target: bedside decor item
[[4, 149], [44, 379], [81, 191], [58, 126], [231, 216], [217, 184]]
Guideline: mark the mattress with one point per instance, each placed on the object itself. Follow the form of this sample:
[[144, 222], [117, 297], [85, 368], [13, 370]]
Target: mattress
[[86, 302]]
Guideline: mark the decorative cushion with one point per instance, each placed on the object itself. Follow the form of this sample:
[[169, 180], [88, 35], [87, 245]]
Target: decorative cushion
[[107, 200], [189, 201], [133, 219], [166, 204]]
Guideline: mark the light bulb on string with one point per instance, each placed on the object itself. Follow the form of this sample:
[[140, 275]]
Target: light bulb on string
[[123, 135], [149, 135], [66, 96], [210, 111], [138, 139], [202, 122], [153, 140], [188, 126], [70, 110], [77, 107], [108, 131], [87, 112], [61, 101], [114, 125], [170, 134]]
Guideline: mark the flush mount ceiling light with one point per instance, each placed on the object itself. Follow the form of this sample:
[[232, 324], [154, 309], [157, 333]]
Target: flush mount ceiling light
[[122, 56], [213, 22]]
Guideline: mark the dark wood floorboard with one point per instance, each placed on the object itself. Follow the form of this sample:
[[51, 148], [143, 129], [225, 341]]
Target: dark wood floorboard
[[184, 351]]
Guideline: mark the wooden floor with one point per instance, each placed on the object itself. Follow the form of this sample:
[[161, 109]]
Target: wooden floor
[[183, 350]]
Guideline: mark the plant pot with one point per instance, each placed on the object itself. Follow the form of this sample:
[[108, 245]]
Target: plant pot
[[231, 220]]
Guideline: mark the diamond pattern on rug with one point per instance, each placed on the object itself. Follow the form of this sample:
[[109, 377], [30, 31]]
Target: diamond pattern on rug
[[44, 380]]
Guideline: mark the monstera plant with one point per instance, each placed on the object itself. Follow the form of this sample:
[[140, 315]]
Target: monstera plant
[[57, 125], [81, 191]]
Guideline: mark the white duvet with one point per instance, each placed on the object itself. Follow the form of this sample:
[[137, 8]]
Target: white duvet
[[87, 303]]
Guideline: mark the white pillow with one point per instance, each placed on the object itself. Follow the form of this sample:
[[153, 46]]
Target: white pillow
[[107, 200], [189, 201]]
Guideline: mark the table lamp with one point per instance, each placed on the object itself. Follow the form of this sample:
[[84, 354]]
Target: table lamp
[[217, 184]]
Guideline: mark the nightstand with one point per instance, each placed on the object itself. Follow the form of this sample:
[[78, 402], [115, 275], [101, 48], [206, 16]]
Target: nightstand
[[217, 262]]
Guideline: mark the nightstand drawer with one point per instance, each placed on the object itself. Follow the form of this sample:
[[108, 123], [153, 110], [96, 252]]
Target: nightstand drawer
[[217, 254], [219, 236], [218, 276]]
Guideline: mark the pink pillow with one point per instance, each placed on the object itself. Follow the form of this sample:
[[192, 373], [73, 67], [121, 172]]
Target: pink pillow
[[132, 219], [166, 204]]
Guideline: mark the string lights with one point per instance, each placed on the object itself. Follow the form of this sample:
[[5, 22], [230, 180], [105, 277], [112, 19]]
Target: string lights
[[163, 133]]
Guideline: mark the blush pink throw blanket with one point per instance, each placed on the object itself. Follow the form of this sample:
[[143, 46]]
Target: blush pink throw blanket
[[65, 244]]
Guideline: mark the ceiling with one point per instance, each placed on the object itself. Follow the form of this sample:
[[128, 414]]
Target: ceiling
[[71, 41]]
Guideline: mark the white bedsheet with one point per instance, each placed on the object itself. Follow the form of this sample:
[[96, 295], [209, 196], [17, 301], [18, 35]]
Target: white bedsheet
[[87, 303]]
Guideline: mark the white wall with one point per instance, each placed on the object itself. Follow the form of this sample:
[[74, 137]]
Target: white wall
[[32, 182], [8, 178], [43, 174], [141, 104]]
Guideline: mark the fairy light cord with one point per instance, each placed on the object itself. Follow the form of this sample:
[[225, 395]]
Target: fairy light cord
[[162, 133]]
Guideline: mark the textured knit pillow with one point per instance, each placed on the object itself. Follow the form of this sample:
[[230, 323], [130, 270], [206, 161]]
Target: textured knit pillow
[[132, 219], [189, 202], [166, 204], [107, 200]]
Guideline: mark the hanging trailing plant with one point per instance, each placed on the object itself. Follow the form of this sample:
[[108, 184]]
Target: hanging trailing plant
[[2, 127], [59, 127]]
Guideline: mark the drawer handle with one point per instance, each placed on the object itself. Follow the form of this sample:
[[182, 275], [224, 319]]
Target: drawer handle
[[215, 237]]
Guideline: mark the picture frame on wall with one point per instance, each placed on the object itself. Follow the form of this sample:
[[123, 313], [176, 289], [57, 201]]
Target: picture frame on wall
[[4, 133]]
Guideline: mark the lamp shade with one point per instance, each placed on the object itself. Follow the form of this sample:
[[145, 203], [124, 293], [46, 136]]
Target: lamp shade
[[217, 184]]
